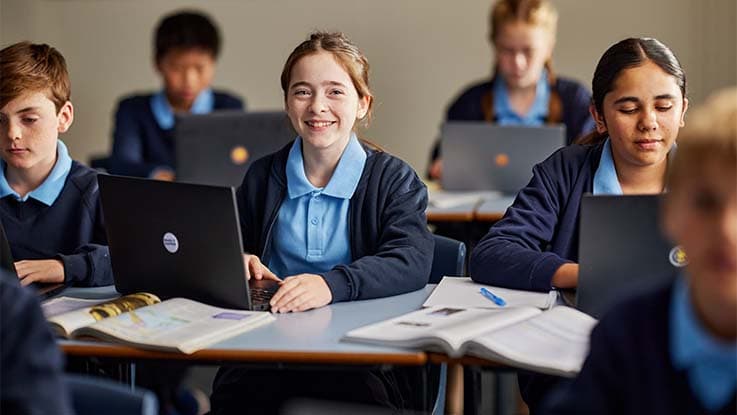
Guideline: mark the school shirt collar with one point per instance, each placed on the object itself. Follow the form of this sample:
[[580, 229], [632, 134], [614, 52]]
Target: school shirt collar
[[51, 188], [345, 177], [164, 114], [605, 178], [710, 363], [538, 112]]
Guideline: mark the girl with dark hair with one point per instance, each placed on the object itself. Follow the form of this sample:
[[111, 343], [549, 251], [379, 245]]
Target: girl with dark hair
[[638, 105]]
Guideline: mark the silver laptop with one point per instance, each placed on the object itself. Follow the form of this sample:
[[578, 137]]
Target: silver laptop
[[484, 156], [218, 148], [178, 240], [622, 250]]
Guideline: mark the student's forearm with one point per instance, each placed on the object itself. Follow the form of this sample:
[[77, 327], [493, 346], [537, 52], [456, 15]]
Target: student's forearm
[[566, 276]]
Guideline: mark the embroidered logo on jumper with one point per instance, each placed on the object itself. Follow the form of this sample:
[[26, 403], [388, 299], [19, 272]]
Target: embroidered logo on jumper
[[239, 155], [677, 257], [171, 243], [501, 160]]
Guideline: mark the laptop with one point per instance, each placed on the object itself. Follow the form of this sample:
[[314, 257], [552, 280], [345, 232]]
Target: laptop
[[484, 156], [178, 240], [622, 250], [7, 263], [218, 148]]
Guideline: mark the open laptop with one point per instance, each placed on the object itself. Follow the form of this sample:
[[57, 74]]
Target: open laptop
[[622, 250], [484, 156], [218, 148], [178, 240]]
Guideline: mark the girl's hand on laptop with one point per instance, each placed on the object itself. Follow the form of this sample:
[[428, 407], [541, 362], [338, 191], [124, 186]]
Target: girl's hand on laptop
[[257, 269], [300, 293], [40, 270]]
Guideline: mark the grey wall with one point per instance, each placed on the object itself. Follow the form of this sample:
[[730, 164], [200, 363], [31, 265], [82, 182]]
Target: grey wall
[[422, 52]]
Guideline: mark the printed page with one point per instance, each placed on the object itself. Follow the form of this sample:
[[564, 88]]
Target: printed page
[[177, 324], [66, 323], [554, 342], [447, 328], [60, 305], [463, 292]]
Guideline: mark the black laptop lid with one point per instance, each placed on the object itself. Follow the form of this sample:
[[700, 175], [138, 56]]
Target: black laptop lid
[[218, 148], [174, 240], [482, 156], [622, 250]]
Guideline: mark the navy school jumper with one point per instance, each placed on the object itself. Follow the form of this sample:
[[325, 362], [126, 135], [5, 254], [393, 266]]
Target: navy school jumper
[[140, 145], [629, 370], [71, 229], [539, 232], [391, 248]]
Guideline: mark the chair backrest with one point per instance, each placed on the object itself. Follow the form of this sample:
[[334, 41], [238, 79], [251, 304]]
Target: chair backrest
[[449, 258], [94, 396]]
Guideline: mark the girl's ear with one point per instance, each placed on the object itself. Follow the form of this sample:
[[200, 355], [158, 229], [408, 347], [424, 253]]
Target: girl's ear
[[65, 117], [598, 119], [683, 113], [363, 106]]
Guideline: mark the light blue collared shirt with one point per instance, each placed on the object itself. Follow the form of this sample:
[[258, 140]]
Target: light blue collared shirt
[[504, 113], [164, 114], [606, 181], [605, 178], [710, 364], [311, 230], [51, 188]]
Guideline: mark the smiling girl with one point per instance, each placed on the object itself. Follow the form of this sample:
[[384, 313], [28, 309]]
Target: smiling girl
[[334, 217]]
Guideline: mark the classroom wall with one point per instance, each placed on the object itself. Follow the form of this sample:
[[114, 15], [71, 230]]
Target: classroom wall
[[422, 52]]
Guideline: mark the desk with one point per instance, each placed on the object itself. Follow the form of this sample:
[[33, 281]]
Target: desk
[[493, 209], [308, 337]]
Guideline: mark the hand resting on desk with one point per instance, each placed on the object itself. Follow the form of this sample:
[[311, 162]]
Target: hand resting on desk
[[40, 270]]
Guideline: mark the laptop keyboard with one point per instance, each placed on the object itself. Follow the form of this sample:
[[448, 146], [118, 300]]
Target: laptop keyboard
[[261, 295]]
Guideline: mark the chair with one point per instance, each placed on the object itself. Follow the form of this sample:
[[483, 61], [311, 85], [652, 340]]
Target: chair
[[449, 259], [93, 396]]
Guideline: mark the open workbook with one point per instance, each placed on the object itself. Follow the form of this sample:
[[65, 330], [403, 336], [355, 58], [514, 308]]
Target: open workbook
[[142, 320], [553, 341]]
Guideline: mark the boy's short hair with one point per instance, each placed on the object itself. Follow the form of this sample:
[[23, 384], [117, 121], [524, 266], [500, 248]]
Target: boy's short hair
[[28, 67], [186, 30], [710, 135]]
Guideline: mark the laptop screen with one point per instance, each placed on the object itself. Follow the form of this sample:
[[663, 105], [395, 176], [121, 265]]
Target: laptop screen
[[622, 250], [484, 156]]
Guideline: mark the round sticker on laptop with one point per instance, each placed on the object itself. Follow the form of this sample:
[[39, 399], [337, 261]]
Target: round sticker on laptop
[[171, 243], [239, 155], [677, 257]]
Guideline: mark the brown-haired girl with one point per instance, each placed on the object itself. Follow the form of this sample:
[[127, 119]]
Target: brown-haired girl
[[333, 217]]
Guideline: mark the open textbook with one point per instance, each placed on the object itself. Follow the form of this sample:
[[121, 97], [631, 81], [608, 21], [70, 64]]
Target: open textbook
[[554, 341], [142, 320]]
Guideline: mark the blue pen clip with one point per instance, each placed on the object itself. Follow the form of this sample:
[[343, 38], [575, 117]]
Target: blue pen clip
[[493, 297]]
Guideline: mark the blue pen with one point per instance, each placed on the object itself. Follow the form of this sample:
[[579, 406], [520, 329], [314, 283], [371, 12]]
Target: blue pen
[[493, 297]]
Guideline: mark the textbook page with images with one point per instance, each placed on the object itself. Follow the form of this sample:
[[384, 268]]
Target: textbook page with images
[[143, 320], [555, 341]]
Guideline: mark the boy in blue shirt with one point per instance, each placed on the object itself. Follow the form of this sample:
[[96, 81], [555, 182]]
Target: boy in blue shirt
[[186, 48], [49, 203], [674, 350]]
